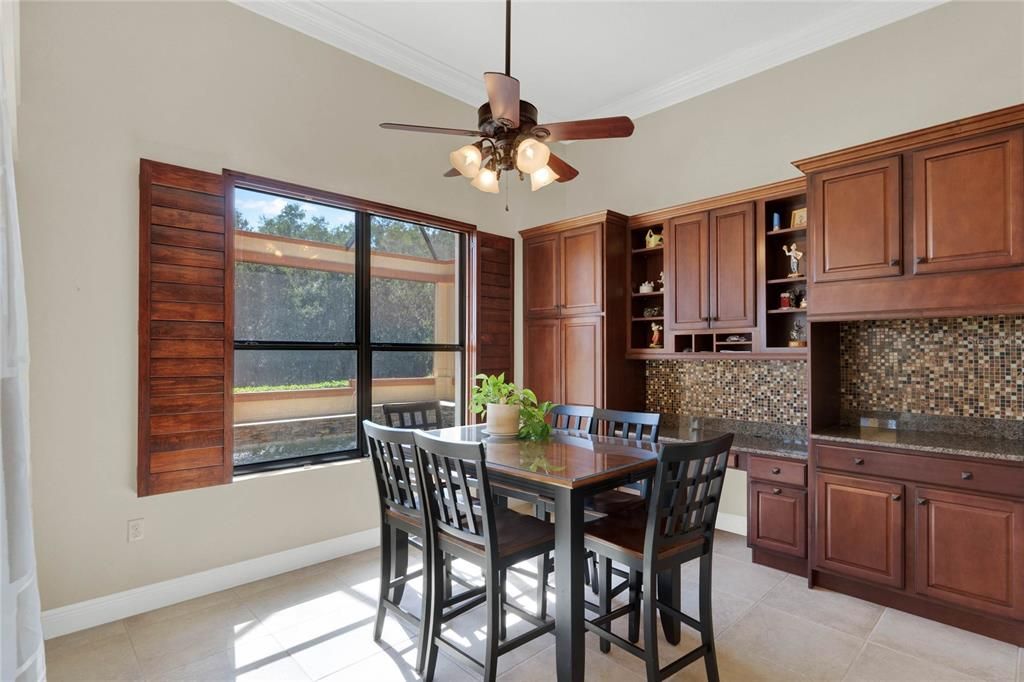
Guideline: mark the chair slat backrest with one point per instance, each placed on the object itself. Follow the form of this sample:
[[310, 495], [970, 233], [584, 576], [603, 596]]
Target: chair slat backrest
[[572, 417], [425, 414], [456, 490], [393, 455], [642, 426], [686, 491]]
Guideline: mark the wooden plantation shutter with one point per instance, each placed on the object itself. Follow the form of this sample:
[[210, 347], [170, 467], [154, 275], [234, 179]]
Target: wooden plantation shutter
[[493, 272], [185, 330]]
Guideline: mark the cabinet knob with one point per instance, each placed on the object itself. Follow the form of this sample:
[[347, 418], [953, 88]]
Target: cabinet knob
[[922, 259], [896, 497], [894, 262], [776, 491], [858, 461], [922, 500], [715, 318], [966, 475], [776, 470]]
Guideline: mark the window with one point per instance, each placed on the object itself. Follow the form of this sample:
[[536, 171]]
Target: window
[[337, 311]]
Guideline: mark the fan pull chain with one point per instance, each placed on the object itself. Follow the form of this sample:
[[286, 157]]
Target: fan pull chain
[[506, 193]]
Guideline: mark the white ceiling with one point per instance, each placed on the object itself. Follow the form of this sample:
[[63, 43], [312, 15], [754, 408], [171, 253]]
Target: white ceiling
[[583, 59]]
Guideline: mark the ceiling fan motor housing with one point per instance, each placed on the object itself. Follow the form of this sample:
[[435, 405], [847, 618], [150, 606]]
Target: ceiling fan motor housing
[[491, 128]]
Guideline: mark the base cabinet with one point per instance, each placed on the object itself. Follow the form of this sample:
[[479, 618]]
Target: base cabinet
[[777, 518], [969, 550], [860, 528]]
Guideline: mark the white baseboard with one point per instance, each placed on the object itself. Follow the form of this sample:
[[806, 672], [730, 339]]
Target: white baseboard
[[732, 523], [112, 607]]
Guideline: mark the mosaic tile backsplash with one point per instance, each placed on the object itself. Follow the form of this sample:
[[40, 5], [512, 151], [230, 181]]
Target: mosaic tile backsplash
[[963, 367], [749, 390]]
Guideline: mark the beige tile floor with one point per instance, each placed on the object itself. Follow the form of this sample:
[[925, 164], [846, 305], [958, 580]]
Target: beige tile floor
[[316, 623]]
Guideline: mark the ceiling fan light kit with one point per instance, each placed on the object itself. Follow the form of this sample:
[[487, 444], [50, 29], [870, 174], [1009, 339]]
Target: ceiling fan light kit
[[511, 139]]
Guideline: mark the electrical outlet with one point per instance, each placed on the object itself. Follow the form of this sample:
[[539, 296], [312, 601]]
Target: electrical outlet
[[136, 530]]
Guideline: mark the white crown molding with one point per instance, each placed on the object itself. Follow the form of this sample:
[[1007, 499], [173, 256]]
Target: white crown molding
[[746, 62], [321, 21], [107, 609]]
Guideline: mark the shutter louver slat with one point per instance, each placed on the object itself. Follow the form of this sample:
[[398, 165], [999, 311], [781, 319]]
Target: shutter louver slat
[[185, 343]]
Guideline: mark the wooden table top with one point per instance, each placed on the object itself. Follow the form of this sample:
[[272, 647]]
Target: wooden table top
[[569, 459]]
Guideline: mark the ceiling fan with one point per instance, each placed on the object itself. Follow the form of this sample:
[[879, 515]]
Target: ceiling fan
[[511, 138]]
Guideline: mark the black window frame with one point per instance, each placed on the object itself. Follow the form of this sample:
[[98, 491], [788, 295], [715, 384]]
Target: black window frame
[[363, 345]]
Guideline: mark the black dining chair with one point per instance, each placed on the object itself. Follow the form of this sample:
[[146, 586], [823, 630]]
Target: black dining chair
[[392, 452], [462, 520], [678, 526], [423, 414], [571, 417]]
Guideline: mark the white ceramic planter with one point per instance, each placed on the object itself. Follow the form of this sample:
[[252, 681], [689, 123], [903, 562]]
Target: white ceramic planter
[[502, 420]]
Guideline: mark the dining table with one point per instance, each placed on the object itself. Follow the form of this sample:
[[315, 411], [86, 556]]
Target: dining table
[[563, 471]]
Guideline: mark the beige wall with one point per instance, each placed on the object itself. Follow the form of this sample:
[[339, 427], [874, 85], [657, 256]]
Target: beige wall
[[209, 86]]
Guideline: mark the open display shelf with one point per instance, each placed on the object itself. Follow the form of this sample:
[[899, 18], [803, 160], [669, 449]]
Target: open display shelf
[[781, 320], [646, 264]]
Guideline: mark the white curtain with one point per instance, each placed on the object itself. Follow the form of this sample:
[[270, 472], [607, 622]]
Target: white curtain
[[21, 655]]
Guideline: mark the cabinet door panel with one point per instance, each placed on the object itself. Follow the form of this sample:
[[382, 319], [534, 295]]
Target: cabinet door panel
[[541, 371], [582, 353], [969, 204], [540, 276], [855, 221], [777, 519], [687, 258], [969, 550], [732, 266], [860, 528], [582, 272]]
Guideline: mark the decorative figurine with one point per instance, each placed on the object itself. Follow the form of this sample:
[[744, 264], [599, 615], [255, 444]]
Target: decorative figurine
[[796, 336], [803, 301], [785, 300], [661, 281], [653, 311], [654, 240], [776, 221], [646, 287], [656, 335], [794, 259]]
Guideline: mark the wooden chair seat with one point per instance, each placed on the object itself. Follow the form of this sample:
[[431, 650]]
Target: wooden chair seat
[[623, 534], [516, 534], [615, 502]]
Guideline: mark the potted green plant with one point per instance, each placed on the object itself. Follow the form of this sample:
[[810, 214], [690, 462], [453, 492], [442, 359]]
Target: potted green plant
[[510, 411]]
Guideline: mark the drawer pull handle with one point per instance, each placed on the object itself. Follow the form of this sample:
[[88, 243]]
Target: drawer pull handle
[[776, 491], [966, 475], [776, 470], [922, 500], [858, 460], [896, 497], [894, 262], [922, 259]]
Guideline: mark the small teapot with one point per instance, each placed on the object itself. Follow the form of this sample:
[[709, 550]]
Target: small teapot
[[654, 240]]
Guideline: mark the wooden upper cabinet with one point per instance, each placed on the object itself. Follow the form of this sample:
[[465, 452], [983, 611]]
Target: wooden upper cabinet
[[854, 213], [860, 528], [968, 200], [542, 358], [687, 297], [731, 254], [581, 342], [581, 270], [540, 275], [969, 551]]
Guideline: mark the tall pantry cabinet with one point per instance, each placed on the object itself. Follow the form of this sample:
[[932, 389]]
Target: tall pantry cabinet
[[574, 313]]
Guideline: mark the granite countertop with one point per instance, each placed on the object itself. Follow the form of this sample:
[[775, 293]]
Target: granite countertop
[[757, 438], [942, 443]]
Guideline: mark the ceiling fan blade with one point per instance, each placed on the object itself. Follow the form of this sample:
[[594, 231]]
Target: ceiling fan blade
[[589, 129], [430, 129], [564, 171], [503, 94]]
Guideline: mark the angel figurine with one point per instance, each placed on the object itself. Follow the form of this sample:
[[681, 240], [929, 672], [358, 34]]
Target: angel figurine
[[794, 259], [656, 330]]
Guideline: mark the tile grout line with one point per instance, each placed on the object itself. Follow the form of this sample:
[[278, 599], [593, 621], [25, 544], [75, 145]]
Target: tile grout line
[[864, 644]]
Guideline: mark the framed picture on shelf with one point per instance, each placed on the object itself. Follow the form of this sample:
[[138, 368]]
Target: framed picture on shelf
[[798, 218]]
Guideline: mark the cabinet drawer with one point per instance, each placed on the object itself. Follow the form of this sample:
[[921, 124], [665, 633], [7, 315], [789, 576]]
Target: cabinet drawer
[[955, 473], [777, 471]]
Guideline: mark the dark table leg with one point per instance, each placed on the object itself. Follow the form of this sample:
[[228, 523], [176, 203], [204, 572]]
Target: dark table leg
[[569, 562], [670, 592]]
